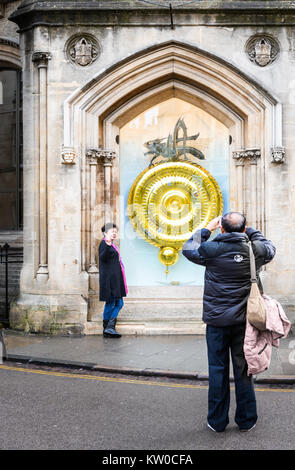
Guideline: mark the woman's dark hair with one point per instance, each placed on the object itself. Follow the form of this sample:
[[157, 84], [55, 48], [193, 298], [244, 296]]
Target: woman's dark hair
[[233, 222], [107, 227]]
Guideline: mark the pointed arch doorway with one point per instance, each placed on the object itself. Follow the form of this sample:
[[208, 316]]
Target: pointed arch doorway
[[96, 117]]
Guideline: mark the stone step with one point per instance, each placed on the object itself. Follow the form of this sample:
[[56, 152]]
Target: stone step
[[160, 327]]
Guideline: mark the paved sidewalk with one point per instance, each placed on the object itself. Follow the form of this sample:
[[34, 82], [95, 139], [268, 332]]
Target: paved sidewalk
[[181, 356]]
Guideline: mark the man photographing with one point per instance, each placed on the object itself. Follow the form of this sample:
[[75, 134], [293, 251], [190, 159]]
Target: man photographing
[[226, 291]]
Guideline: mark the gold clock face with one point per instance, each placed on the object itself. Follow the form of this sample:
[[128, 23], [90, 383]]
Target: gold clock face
[[170, 201]]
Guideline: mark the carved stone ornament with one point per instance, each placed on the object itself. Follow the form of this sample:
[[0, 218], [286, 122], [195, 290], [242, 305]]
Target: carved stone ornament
[[278, 154], [243, 155], [101, 155], [68, 155], [107, 157], [82, 49], [41, 58], [262, 49]]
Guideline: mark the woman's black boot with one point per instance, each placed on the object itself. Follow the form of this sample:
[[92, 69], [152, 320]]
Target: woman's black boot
[[110, 329], [105, 324]]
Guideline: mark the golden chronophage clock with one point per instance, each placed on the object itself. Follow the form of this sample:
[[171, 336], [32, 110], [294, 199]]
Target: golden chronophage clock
[[170, 200]]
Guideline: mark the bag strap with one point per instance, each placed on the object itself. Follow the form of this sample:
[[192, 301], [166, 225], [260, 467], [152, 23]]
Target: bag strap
[[252, 263]]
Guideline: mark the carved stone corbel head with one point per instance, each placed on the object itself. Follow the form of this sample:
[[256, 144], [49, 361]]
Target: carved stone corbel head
[[68, 155], [278, 154]]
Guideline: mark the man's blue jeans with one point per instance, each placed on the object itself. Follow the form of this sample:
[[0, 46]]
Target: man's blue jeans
[[220, 340], [112, 308]]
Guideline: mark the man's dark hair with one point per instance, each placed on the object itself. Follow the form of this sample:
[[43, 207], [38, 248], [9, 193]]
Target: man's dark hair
[[233, 222], [107, 227]]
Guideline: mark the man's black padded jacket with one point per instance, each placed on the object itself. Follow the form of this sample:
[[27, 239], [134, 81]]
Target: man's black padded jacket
[[227, 275]]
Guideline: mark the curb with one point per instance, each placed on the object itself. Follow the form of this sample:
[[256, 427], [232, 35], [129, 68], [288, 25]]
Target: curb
[[102, 368], [274, 379]]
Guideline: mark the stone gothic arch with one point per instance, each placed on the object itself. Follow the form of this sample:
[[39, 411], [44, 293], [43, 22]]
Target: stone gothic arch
[[9, 53], [93, 114]]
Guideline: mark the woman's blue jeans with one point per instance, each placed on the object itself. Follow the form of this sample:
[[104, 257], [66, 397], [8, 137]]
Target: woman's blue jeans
[[112, 308], [220, 340]]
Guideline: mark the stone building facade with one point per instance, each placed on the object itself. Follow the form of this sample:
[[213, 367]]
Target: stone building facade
[[100, 78]]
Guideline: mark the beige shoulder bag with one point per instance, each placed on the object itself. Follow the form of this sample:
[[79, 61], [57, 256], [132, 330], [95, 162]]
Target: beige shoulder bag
[[256, 311]]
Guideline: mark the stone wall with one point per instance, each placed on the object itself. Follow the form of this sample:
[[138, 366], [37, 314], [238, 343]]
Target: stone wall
[[75, 102], [7, 28]]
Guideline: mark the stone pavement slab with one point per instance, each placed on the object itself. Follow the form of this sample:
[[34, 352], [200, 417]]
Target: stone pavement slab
[[178, 355]]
